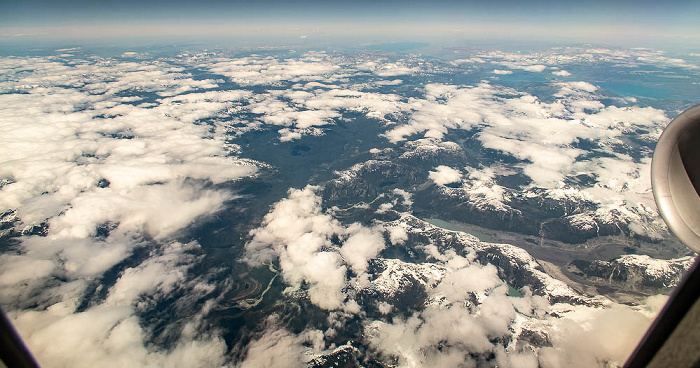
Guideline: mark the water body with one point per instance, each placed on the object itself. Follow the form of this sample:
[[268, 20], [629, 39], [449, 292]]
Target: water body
[[637, 90], [514, 292]]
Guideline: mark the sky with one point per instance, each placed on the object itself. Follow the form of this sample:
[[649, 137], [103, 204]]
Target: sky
[[399, 20]]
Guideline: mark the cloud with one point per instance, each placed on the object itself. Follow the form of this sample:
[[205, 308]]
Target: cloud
[[384, 68], [394, 69], [397, 235], [160, 274], [362, 245], [469, 319], [541, 134], [106, 336], [277, 347], [561, 73], [575, 88], [406, 196], [16, 269], [255, 70], [299, 233], [109, 333], [114, 156], [536, 68], [502, 72], [445, 175], [107, 175], [304, 112], [587, 336], [393, 82]]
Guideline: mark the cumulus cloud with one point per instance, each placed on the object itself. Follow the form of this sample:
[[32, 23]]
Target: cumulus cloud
[[469, 318], [533, 68], [306, 112], [394, 69], [107, 336], [468, 311], [277, 347], [406, 196], [256, 70], [109, 333], [502, 72], [299, 233], [106, 175], [445, 175], [540, 134], [384, 68], [575, 88], [362, 245]]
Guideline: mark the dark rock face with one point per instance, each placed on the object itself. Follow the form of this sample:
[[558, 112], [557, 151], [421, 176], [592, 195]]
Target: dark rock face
[[634, 272], [10, 225], [461, 208], [366, 181], [103, 183], [535, 338], [535, 211], [8, 219], [342, 357], [41, 229], [601, 269], [409, 296], [515, 266]]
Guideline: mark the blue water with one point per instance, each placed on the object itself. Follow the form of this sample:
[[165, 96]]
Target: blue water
[[637, 90]]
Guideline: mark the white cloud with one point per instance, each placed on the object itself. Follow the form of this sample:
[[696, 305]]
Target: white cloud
[[538, 133], [268, 71], [393, 82], [587, 336], [301, 112], [406, 196], [106, 336], [472, 60], [575, 88], [445, 175], [79, 157], [397, 234], [561, 73], [68, 131], [277, 347], [383, 68], [533, 68], [362, 245], [109, 334], [297, 231], [19, 269], [160, 274], [502, 72], [468, 309], [394, 69]]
